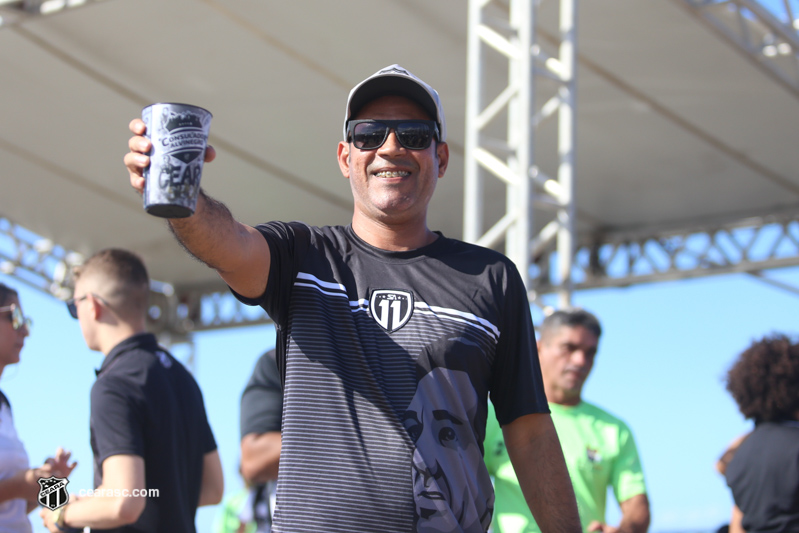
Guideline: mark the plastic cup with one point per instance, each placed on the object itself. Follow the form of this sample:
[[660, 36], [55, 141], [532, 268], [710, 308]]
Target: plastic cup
[[179, 135]]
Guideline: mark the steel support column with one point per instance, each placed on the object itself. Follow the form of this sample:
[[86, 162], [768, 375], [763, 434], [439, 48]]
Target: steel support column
[[506, 30]]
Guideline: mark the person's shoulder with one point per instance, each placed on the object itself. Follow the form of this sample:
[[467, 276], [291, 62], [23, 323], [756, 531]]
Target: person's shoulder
[[784, 429], [297, 231], [295, 226], [459, 246], [474, 253], [601, 414], [142, 365], [266, 365]]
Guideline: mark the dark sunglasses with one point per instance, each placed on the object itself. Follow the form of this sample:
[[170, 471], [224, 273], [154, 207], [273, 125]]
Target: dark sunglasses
[[412, 134], [72, 305], [18, 320]]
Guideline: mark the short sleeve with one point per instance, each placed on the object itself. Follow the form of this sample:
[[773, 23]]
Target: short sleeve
[[262, 399], [627, 477], [117, 422], [517, 388], [209, 442], [286, 242]]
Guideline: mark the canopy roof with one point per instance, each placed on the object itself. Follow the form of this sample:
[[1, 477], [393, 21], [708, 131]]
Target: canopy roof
[[675, 127]]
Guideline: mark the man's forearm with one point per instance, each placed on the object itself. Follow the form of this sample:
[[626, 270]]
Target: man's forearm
[[208, 233], [635, 515], [238, 252], [537, 458], [103, 512], [23, 485]]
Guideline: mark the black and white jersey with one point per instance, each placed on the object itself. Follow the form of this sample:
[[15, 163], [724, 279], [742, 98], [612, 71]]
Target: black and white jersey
[[387, 360]]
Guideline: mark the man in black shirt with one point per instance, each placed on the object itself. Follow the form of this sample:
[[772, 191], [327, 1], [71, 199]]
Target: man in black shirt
[[155, 458], [377, 313]]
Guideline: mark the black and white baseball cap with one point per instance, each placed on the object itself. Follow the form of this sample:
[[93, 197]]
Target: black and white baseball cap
[[396, 80]]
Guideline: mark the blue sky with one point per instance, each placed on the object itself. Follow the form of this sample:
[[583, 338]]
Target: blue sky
[[660, 367]]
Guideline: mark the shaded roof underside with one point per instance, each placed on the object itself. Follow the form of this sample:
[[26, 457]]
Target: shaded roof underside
[[674, 126]]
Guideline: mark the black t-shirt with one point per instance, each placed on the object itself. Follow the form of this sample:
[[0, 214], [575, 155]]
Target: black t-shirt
[[764, 478], [387, 359], [146, 403]]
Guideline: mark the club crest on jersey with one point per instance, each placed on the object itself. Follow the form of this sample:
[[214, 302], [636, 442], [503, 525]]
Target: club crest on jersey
[[391, 308]]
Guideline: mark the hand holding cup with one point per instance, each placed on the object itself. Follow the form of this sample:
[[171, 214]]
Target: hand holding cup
[[174, 161]]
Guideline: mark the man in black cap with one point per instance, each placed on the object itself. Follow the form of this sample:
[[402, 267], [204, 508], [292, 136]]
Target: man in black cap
[[390, 337]]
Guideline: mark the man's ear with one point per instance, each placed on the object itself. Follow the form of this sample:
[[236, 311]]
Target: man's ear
[[95, 308], [344, 158], [442, 152]]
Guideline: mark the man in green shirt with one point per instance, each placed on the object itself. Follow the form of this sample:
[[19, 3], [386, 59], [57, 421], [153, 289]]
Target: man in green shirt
[[598, 447]]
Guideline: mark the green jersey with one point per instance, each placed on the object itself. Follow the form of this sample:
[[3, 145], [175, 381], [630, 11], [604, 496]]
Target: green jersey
[[599, 450]]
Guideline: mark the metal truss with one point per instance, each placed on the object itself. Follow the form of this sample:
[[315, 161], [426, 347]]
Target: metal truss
[[620, 259], [501, 125], [180, 311], [36, 261], [174, 313], [772, 43]]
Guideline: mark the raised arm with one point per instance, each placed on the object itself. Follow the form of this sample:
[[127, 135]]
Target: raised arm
[[535, 452], [238, 252]]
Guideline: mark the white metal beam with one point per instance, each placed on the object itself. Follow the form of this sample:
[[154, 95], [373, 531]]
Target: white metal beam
[[620, 259], [507, 30], [768, 40]]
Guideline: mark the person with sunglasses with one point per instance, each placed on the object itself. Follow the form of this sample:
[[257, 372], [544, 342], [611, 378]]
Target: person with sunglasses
[[19, 484], [155, 455], [356, 306]]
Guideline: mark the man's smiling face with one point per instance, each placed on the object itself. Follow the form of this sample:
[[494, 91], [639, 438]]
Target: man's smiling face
[[392, 184]]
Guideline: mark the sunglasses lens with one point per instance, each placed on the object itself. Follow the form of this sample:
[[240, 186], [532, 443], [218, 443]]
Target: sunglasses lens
[[18, 320], [414, 135], [369, 135], [72, 308], [411, 135]]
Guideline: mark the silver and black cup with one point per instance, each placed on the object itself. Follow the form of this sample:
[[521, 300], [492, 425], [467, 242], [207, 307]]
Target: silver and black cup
[[179, 135]]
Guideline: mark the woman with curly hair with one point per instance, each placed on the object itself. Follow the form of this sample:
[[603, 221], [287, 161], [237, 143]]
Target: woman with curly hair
[[764, 472]]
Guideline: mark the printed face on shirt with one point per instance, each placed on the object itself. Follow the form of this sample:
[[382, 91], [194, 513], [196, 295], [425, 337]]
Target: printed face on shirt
[[447, 458]]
